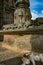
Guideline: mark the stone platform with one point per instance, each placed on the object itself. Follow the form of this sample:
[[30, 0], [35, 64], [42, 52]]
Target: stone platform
[[31, 42]]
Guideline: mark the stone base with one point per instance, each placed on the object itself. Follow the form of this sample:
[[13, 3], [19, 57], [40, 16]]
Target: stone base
[[25, 42]]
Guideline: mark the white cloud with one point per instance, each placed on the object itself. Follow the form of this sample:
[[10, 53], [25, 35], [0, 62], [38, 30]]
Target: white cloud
[[42, 11], [35, 14]]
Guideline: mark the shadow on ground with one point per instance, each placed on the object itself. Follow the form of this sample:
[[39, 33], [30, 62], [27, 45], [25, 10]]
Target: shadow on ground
[[17, 61], [13, 61]]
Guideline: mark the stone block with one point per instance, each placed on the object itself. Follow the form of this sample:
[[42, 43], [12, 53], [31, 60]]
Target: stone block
[[26, 42]]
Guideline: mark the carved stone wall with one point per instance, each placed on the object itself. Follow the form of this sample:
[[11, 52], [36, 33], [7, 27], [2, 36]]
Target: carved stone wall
[[1, 18], [1, 13], [7, 12], [22, 15]]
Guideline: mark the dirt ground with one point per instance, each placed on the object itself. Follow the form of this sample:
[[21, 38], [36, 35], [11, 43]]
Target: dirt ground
[[12, 55]]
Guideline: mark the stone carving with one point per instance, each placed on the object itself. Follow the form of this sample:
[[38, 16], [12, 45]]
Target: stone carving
[[22, 16]]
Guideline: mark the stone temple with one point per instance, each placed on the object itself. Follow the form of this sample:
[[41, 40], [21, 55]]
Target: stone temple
[[20, 31]]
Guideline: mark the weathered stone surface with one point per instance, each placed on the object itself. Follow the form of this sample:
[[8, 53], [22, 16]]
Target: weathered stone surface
[[22, 1], [26, 42], [22, 12], [22, 15]]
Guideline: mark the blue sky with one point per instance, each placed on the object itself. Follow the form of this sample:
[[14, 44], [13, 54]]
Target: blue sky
[[36, 7]]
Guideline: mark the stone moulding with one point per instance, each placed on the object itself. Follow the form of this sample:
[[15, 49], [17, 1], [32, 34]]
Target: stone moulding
[[29, 30]]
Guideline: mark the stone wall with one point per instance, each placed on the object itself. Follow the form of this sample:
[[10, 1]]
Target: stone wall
[[7, 12], [25, 42], [1, 18], [1, 13]]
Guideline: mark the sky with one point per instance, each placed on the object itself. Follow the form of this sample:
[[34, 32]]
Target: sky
[[36, 7]]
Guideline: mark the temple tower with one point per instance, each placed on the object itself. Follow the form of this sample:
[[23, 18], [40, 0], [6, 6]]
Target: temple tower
[[22, 13]]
